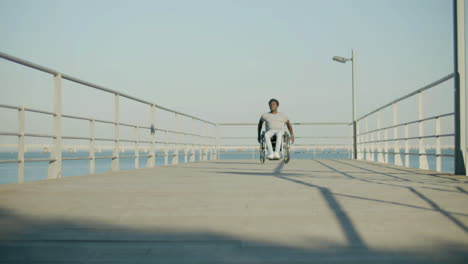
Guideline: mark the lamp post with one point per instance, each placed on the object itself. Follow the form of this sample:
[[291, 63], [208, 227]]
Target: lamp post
[[353, 60], [460, 87]]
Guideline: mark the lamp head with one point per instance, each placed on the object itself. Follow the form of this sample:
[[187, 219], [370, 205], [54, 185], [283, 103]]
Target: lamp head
[[340, 59]]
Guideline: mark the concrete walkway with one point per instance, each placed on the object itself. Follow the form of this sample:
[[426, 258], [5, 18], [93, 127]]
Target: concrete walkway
[[308, 211]]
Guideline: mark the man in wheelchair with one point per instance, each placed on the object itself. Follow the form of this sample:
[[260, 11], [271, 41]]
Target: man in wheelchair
[[274, 122]]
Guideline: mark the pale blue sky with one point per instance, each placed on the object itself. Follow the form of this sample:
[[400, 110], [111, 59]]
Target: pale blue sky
[[223, 60]]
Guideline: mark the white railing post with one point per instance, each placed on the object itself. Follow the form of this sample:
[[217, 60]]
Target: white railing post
[[386, 155], [175, 159], [21, 144], [363, 144], [137, 151], [396, 146], [185, 149], [359, 139], [215, 140], [92, 146], [207, 143], [380, 156], [200, 145], [423, 163], [407, 147], [192, 152], [201, 151], [367, 139], [372, 146], [166, 149], [115, 157], [151, 161], [55, 165], [438, 148], [212, 146]]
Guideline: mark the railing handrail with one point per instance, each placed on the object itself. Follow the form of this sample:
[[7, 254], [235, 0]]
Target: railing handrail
[[3, 133], [426, 87], [406, 123], [92, 85]]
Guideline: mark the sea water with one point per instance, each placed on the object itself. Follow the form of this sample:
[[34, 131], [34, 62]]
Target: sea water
[[38, 170]]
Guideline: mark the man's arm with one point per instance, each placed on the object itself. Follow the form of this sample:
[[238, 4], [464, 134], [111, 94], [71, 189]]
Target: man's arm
[[288, 124], [260, 123]]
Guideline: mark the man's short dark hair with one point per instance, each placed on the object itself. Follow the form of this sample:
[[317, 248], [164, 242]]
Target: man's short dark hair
[[273, 100]]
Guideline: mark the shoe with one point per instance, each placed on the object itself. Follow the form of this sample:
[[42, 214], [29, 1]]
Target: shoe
[[277, 155], [271, 156]]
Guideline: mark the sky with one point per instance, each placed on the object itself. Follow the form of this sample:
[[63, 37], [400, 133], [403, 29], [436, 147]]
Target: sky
[[223, 60]]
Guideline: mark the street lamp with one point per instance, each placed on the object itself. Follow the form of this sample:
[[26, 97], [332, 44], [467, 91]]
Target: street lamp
[[353, 60], [341, 59]]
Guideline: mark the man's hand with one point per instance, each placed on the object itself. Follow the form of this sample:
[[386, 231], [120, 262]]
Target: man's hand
[[291, 132]]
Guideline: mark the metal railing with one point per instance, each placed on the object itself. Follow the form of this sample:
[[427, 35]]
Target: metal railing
[[203, 143], [374, 146], [207, 146]]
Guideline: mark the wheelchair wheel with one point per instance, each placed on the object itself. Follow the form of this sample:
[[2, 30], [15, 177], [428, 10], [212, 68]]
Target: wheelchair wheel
[[262, 150], [286, 146], [262, 155]]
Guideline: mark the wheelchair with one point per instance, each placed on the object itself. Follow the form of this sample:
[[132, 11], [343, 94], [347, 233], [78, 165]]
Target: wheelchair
[[284, 151]]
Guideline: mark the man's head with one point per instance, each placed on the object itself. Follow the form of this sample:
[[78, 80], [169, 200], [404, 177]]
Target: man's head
[[273, 103]]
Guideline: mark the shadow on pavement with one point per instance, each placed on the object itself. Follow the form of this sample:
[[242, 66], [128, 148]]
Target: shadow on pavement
[[30, 240]]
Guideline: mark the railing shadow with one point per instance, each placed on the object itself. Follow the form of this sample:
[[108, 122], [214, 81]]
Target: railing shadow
[[26, 239], [436, 207], [344, 220], [399, 168], [63, 241], [352, 235], [385, 174]]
